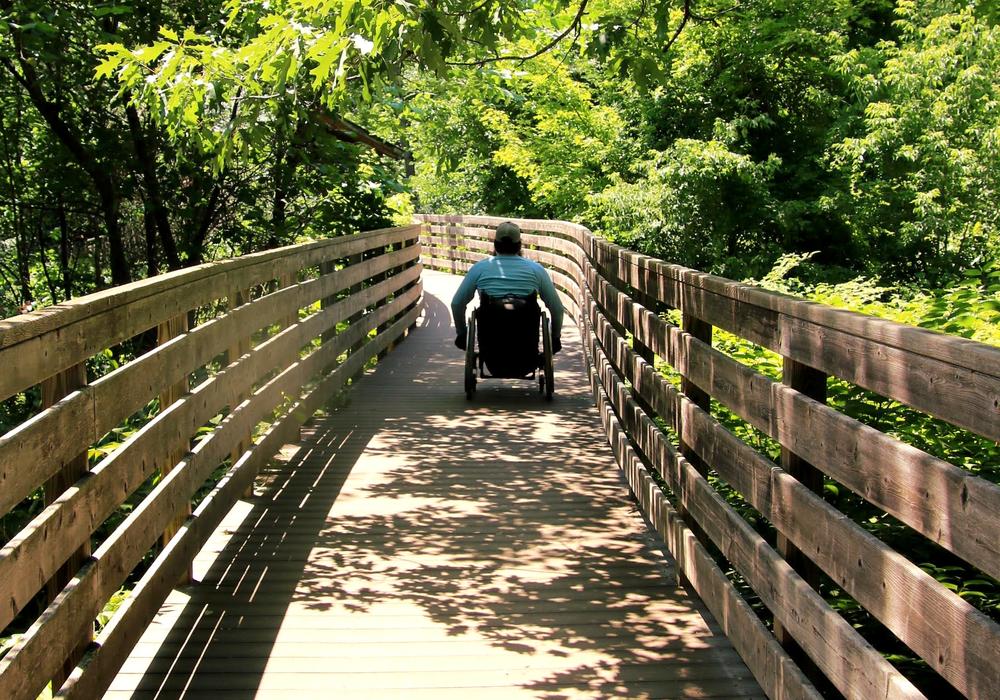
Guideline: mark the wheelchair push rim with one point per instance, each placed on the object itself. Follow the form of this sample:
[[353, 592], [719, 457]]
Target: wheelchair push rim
[[470, 359], [546, 377]]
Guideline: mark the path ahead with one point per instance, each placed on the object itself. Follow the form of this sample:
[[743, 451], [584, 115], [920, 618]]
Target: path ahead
[[418, 545]]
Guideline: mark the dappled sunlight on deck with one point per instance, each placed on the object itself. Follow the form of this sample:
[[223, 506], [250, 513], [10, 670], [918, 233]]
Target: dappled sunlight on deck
[[416, 544]]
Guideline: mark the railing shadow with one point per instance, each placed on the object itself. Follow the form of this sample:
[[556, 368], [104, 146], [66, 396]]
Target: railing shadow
[[500, 526]]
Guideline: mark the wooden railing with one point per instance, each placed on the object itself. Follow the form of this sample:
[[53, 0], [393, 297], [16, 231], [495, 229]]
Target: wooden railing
[[281, 330], [667, 440]]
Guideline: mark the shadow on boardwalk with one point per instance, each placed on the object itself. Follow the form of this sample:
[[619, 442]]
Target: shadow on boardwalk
[[417, 545]]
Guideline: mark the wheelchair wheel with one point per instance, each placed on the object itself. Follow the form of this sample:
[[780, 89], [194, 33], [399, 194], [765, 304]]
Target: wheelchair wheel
[[546, 379], [470, 359]]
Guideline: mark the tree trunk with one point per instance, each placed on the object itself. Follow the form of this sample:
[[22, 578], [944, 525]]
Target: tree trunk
[[279, 204], [196, 245], [120, 273], [154, 205], [64, 263], [99, 172], [149, 227]]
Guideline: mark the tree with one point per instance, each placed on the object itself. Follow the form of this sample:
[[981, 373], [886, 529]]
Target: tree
[[924, 166]]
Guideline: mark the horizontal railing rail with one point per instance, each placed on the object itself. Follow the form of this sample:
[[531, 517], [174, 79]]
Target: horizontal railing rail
[[668, 441], [279, 332]]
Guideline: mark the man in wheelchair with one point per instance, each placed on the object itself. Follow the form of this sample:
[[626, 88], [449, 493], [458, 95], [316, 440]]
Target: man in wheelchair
[[509, 286]]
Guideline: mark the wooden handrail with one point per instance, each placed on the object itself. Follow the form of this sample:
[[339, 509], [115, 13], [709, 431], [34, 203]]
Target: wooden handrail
[[266, 363], [947, 377]]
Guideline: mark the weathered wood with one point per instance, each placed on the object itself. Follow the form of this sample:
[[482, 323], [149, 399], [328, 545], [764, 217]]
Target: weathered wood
[[949, 377], [811, 383], [450, 254], [17, 329], [383, 326], [47, 540], [938, 499], [24, 670], [920, 607], [42, 343], [166, 332], [123, 631], [871, 463], [699, 397], [327, 268], [444, 264], [910, 365], [285, 281], [851, 664], [236, 299], [53, 390], [771, 666], [524, 613], [75, 422], [355, 262]]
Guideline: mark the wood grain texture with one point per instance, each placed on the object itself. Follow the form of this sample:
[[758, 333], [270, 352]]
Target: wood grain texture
[[39, 344], [36, 551], [31, 452], [369, 513], [946, 376], [778, 675], [855, 668], [949, 377], [948, 505], [918, 609], [23, 671], [941, 501]]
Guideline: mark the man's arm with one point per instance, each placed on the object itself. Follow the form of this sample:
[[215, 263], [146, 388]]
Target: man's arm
[[463, 296], [547, 291]]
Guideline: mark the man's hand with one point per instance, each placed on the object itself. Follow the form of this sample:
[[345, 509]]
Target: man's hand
[[460, 340], [556, 345]]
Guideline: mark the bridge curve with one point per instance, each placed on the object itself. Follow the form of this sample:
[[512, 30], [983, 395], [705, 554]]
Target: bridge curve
[[415, 544], [124, 473]]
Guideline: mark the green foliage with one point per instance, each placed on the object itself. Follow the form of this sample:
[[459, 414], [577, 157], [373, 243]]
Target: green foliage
[[697, 204], [923, 170], [110, 608]]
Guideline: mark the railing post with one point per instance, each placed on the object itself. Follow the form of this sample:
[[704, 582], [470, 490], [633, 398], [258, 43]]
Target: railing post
[[164, 332], [289, 279], [812, 383], [403, 245], [53, 389], [700, 330], [382, 302], [355, 317], [643, 350], [239, 297], [327, 267]]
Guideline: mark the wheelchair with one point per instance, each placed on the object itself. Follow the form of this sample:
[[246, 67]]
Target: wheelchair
[[502, 343]]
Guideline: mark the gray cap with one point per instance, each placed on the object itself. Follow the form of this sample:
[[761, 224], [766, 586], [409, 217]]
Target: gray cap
[[510, 231]]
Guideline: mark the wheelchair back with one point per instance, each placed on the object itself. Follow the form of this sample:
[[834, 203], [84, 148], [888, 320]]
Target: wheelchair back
[[508, 334]]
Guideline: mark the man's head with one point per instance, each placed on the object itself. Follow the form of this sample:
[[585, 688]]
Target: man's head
[[508, 239]]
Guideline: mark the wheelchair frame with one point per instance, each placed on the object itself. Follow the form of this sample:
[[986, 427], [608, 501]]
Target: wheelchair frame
[[475, 365]]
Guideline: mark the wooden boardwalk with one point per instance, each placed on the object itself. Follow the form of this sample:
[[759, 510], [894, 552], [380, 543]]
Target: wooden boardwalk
[[417, 545]]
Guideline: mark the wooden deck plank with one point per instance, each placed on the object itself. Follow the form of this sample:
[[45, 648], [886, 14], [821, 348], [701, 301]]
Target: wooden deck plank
[[418, 545]]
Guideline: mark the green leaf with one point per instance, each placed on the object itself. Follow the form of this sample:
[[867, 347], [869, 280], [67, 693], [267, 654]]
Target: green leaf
[[148, 54], [106, 67]]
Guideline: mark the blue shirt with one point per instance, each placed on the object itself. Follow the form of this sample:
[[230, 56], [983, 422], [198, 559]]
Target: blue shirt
[[507, 274]]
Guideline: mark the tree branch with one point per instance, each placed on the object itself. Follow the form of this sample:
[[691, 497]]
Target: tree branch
[[684, 20], [562, 35], [471, 11]]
